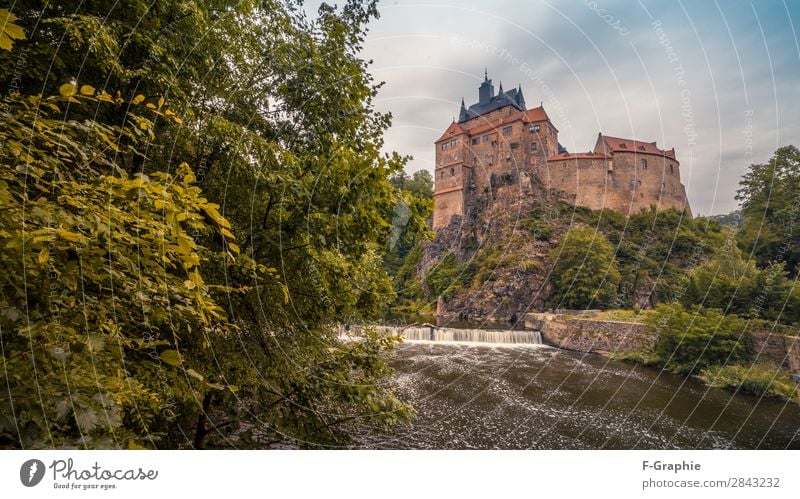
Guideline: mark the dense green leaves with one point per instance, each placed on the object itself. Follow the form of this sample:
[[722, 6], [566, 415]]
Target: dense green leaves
[[217, 285], [731, 283], [9, 31], [770, 197], [688, 341], [584, 272]]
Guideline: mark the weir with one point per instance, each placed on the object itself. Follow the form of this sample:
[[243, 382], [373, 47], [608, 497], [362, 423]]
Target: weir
[[428, 332]]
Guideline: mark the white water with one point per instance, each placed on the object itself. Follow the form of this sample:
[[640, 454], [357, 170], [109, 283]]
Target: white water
[[431, 333]]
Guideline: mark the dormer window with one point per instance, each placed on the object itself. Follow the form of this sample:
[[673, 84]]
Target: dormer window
[[623, 146], [641, 148]]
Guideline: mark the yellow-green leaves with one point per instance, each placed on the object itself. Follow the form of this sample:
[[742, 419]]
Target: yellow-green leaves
[[67, 90], [171, 357], [44, 256], [10, 31]]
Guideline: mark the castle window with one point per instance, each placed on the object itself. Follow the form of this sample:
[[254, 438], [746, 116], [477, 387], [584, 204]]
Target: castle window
[[514, 145], [486, 138], [533, 146], [476, 141], [507, 130], [452, 172], [644, 164], [671, 170], [453, 142], [534, 129], [445, 146]]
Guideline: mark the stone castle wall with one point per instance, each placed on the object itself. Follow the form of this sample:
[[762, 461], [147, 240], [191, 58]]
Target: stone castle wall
[[622, 184], [502, 152]]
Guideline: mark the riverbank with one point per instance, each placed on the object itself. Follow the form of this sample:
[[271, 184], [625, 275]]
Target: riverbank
[[776, 356]]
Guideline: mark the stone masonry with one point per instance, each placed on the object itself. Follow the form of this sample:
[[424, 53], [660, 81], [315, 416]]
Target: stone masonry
[[499, 148]]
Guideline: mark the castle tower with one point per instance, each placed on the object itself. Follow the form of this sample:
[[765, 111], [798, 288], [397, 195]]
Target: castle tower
[[496, 143]]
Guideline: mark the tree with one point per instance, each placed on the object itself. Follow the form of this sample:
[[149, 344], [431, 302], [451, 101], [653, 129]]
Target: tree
[[770, 198], [689, 341], [104, 295], [731, 283], [584, 272], [272, 110], [410, 217]]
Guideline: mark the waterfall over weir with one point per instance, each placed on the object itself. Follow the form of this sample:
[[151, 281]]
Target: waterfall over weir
[[445, 334]]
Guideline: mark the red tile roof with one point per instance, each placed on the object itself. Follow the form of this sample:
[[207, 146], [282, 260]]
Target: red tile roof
[[452, 131], [564, 156], [529, 116], [616, 144]]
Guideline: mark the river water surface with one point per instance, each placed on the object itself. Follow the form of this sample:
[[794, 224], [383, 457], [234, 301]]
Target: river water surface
[[483, 396]]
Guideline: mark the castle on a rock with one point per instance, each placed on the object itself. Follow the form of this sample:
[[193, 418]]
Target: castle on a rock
[[499, 146]]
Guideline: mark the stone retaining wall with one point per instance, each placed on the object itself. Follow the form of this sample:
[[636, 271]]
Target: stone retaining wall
[[590, 335], [778, 349]]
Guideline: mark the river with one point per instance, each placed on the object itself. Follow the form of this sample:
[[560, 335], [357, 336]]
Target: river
[[485, 396]]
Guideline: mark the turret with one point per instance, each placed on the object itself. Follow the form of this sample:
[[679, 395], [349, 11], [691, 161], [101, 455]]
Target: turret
[[486, 90]]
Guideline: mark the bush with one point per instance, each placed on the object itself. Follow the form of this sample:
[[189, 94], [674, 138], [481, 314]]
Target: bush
[[448, 276], [538, 229], [758, 379], [689, 341], [584, 274]]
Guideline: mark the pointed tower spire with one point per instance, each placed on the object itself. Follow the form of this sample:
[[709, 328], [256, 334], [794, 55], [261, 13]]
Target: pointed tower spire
[[485, 73], [463, 115], [520, 97], [501, 87]]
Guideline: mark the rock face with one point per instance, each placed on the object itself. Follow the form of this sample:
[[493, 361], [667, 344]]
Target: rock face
[[500, 163], [503, 262]]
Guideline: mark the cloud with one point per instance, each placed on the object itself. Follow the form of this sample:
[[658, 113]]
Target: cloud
[[692, 77]]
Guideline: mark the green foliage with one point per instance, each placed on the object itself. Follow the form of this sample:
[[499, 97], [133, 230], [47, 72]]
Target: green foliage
[[105, 286], [732, 219], [272, 111], [419, 185], [689, 341], [757, 379], [653, 249], [9, 31], [410, 218], [448, 276], [537, 229], [770, 198], [410, 232], [731, 283], [584, 271]]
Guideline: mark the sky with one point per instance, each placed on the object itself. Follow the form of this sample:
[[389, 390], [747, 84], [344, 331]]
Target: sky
[[718, 81]]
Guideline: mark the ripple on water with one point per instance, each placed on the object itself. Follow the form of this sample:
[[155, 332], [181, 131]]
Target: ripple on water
[[518, 396]]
